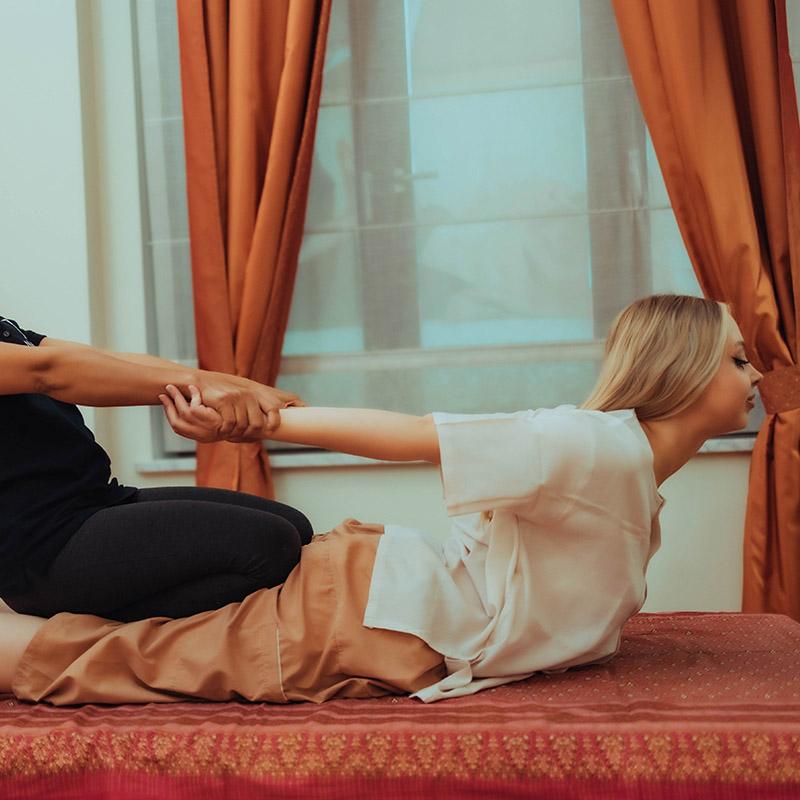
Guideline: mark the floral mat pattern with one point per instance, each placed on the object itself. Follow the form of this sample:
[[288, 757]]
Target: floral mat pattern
[[695, 704]]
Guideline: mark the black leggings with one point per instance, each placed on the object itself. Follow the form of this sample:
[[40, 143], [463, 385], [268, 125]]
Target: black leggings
[[173, 551]]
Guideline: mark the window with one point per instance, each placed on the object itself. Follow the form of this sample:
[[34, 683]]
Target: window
[[484, 199]]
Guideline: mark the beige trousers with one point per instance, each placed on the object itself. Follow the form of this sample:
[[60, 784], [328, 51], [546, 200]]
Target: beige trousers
[[301, 640]]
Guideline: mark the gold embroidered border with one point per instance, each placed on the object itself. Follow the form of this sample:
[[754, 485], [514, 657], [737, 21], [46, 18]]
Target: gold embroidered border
[[726, 757]]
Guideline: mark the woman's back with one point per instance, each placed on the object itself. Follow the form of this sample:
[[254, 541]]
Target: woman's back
[[555, 519]]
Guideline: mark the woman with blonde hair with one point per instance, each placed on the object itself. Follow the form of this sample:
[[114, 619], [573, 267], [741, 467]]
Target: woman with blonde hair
[[556, 517]]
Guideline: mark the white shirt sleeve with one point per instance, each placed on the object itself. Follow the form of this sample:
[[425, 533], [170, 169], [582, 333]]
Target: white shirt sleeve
[[506, 460]]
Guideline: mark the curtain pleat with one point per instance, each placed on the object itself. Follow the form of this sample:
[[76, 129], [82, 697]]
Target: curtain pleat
[[251, 78], [714, 79]]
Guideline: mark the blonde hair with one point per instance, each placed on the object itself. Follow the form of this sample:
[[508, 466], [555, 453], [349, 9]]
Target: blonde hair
[[660, 354]]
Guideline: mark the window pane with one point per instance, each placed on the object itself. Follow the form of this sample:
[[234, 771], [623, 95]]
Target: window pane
[[484, 198]]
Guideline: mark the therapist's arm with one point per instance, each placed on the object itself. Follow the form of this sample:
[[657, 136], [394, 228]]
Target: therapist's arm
[[137, 358], [373, 433], [93, 377]]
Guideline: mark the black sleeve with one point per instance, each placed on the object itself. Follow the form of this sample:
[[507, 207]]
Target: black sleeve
[[32, 335]]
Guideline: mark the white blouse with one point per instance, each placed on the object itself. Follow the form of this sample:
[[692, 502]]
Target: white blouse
[[555, 521]]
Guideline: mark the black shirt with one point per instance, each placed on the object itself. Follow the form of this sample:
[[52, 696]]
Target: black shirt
[[53, 476]]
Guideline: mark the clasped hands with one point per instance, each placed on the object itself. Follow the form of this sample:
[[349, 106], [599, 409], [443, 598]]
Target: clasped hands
[[226, 408]]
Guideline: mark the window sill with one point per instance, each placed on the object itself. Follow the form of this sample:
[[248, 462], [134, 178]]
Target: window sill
[[735, 443], [314, 458], [320, 458]]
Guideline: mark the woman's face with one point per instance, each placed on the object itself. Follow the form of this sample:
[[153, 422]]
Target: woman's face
[[724, 401]]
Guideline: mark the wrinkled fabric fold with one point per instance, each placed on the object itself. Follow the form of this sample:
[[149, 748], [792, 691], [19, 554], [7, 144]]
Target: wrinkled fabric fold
[[301, 641]]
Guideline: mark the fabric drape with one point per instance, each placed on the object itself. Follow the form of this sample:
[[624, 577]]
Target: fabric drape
[[251, 77], [714, 79]]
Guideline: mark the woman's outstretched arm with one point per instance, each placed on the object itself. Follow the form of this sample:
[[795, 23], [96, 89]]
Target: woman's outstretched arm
[[369, 432]]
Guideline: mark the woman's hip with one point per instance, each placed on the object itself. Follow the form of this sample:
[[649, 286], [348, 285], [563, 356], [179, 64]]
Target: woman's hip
[[325, 649]]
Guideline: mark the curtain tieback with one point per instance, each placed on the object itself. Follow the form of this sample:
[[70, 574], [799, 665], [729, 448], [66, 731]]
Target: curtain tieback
[[780, 389]]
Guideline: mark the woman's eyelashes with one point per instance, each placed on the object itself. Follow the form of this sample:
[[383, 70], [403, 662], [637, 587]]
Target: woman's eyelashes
[[740, 362]]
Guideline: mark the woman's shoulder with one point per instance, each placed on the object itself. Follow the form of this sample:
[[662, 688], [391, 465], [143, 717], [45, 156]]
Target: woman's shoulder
[[569, 413], [600, 437], [566, 417]]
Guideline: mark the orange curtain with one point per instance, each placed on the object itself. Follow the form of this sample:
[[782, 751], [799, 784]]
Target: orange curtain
[[251, 76], [715, 83]]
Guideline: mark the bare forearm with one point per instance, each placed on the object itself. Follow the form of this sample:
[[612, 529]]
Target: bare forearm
[[157, 361], [373, 433], [147, 359], [92, 377]]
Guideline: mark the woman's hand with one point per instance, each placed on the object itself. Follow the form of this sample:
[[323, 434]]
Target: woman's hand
[[195, 420]]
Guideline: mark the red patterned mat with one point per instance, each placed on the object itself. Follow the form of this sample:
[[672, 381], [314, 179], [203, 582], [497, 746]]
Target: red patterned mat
[[695, 705]]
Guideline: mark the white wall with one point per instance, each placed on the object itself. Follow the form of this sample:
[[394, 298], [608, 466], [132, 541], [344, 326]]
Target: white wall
[[45, 282], [71, 232]]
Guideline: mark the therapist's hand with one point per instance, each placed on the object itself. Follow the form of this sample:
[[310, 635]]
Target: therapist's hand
[[195, 420], [249, 409]]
